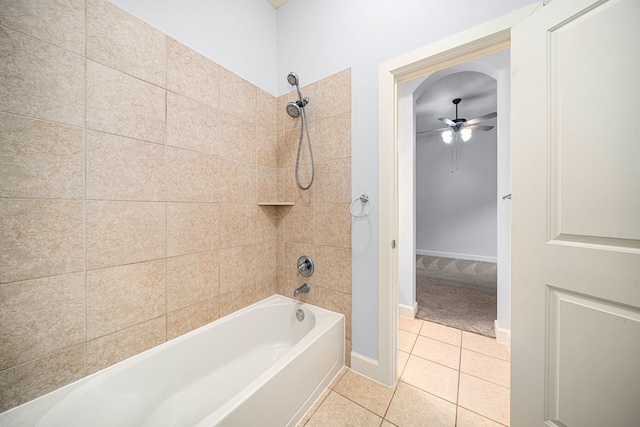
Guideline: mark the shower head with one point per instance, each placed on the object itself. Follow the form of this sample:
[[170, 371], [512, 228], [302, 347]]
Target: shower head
[[294, 109], [292, 78]]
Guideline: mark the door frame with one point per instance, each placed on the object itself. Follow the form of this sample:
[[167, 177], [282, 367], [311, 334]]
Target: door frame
[[484, 39]]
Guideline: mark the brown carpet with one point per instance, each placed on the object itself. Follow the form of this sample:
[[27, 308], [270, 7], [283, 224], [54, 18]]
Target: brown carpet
[[457, 293]]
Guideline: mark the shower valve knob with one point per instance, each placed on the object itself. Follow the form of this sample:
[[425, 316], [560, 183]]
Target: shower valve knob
[[305, 266]]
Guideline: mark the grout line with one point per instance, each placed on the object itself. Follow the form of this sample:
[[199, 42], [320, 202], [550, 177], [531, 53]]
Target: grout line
[[353, 401], [432, 394], [433, 361], [487, 355], [386, 411], [28, 279], [166, 191], [40, 119], [484, 354], [320, 401], [44, 356], [459, 377], [48, 43], [483, 416], [84, 185], [485, 380]]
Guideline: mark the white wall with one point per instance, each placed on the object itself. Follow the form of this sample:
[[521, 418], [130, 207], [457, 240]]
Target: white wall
[[318, 38], [240, 35], [456, 212]]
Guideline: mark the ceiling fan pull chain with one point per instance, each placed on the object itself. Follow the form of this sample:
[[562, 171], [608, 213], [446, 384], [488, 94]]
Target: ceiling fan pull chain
[[456, 143], [454, 154], [452, 157]]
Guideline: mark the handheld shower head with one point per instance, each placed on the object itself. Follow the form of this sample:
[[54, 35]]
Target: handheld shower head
[[295, 110], [292, 78]]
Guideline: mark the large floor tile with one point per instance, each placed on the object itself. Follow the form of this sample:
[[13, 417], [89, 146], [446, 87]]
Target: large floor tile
[[363, 391], [411, 407], [441, 333], [485, 345], [338, 411], [485, 367], [484, 398], [437, 351], [432, 377]]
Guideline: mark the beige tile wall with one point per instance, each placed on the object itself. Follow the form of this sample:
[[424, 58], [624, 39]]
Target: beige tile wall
[[130, 171], [319, 224]]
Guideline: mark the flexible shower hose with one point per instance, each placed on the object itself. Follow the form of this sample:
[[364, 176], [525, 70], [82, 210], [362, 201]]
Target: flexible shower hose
[[304, 127]]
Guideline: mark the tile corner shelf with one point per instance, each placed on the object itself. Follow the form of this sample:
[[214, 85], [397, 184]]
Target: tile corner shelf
[[276, 203]]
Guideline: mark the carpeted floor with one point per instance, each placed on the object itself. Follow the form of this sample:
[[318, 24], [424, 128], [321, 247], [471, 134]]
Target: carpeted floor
[[457, 293]]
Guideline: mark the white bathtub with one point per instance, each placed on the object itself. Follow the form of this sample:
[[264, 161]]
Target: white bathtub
[[259, 366]]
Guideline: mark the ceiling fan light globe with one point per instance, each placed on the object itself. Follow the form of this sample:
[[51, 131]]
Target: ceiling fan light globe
[[465, 134], [447, 136]]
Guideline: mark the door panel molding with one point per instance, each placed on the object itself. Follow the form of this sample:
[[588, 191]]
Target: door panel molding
[[583, 327], [583, 135]]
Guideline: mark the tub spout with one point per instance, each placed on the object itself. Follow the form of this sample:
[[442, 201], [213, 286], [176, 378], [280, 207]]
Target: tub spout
[[304, 289]]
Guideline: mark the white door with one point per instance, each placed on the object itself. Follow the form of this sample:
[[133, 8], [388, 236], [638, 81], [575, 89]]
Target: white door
[[576, 215]]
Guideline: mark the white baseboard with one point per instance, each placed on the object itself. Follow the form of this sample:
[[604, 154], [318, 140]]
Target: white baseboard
[[406, 311], [467, 257], [364, 365], [503, 336]]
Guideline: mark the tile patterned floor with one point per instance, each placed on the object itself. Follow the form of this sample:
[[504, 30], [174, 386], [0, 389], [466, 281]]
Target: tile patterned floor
[[448, 378]]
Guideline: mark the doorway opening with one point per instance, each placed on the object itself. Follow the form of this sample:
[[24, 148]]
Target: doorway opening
[[484, 39], [451, 221]]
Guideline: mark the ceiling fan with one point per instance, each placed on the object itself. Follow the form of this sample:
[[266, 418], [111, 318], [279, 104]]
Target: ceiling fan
[[461, 126]]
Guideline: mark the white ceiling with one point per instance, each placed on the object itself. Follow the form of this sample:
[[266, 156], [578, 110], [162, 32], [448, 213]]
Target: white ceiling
[[277, 3], [479, 97]]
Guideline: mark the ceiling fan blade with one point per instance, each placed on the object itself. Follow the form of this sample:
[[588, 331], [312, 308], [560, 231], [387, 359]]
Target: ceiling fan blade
[[429, 131], [481, 118], [447, 121], [479, 127]]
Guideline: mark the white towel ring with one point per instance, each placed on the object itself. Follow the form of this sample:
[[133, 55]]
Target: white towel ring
[[363, 199]]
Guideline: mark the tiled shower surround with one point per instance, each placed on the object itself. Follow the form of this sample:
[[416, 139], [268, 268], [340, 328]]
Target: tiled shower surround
[[131, 171]]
